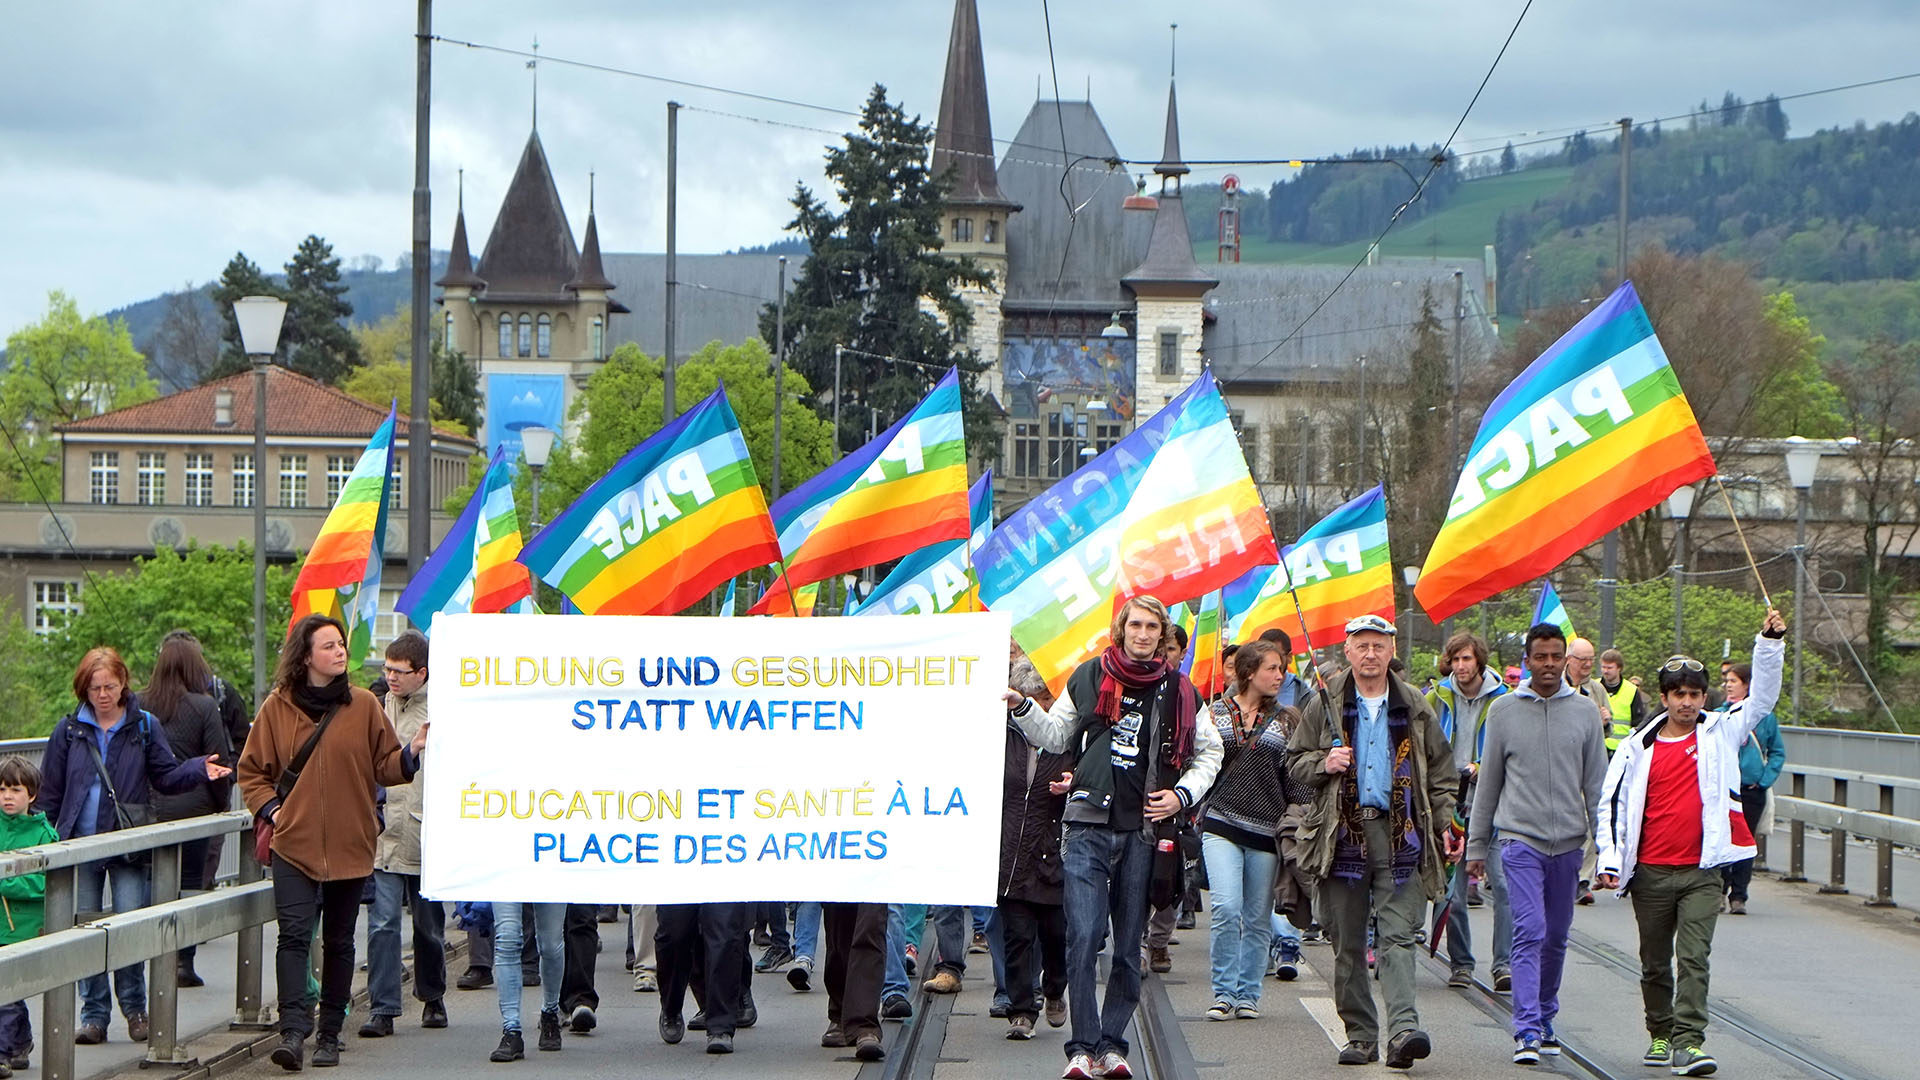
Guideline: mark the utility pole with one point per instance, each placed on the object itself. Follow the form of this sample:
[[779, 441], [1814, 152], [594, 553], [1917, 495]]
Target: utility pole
[[1610, 547], [779, 369], [837, 350], [419, 419], [1459, 401], [668, 408]]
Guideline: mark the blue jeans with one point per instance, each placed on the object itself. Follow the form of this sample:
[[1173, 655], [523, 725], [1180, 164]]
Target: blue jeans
[[1460, 932], [1241, 879], [953, 928], [1284, 932], [1106, 880], [806, 929], [906, 925], [131, 892], [549, 925], [1543, 890], [16, 1029], [391, 893]]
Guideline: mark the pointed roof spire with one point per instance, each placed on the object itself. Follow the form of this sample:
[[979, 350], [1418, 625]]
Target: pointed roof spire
[[530, 252], [1170, 162], [963, 139], [592, 275], [459, 263]]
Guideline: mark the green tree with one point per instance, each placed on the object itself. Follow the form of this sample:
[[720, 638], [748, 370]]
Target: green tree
[[25, 698], [620, 408], [456, 387], [1881, 392], [1797, 398], [386, 375], [240, 278], [316, 340], [208, 590], [62, 368], [876, 283]]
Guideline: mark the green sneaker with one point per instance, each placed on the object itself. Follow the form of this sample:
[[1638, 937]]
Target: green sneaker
[[1693, 1061], [1658, 1054]]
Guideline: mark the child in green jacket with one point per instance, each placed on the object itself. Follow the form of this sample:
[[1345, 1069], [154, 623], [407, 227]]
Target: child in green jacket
[[20, 897]]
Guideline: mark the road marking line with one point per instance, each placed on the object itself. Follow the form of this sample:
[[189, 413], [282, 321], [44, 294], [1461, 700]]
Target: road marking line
[[1324, 1014]]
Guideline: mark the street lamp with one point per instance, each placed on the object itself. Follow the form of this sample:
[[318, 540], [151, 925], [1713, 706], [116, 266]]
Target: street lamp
[[259, 318], [1113, 329], [1803, 464], [1410, 575], [536, 444], [1680, 506]]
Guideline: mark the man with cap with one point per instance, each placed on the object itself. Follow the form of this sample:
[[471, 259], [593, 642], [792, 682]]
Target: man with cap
[[1383, 832]]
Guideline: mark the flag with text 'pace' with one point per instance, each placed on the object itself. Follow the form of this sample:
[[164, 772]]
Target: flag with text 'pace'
[[904, 490], [1592, 433], [1195, 520], [1340, 569], [1051, 564], [679, 514], [939, 578]]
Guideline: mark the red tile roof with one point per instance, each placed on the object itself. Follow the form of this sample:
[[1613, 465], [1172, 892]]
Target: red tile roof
[[296, 405]]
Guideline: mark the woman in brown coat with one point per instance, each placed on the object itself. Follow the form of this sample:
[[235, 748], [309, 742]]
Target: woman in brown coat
[[324, 827]]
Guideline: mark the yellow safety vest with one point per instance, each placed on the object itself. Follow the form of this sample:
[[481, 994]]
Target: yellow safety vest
[[1621, 702]]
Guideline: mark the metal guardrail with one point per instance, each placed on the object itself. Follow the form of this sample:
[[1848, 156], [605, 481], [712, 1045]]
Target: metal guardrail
[[66, 953], [1885, 828]]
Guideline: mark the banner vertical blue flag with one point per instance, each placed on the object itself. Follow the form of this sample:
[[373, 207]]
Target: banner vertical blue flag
[[1547, 608], [726, 604]]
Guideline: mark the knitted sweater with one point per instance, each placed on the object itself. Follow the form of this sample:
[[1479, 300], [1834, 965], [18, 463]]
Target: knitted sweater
[[1249, 798]]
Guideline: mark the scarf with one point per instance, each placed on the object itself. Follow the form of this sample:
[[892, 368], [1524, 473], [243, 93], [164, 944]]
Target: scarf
[[1351, 860], [1120, 672], [316, 700]]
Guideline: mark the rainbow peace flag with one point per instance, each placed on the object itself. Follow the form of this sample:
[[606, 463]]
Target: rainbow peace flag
[[1195, 521], [938, 578], [1547, 608], [1340, 569], [679, 514], [473, 568], [1594, 432], [899, 493], [1051, 565], [1202, 663], [805, 599], [341, 576]]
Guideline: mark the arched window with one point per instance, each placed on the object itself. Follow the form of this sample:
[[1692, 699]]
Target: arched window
[[506, 335], [597, 339], [544, 346], [526, 334]]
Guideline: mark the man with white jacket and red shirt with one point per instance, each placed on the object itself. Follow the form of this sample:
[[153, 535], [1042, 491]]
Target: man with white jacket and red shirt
[[1670, 816]]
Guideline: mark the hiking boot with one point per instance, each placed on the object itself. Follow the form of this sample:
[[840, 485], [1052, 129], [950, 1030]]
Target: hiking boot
[[1408, 1047], [291, 1052], [1159, 960], [943, 982], [90, 1034], [326, 1050], [377, 1027], [475, 978], [512, 1048], [800, 974], [137, 1027], [1693, 1061], [549, 1030], [1659, 1053], [1359, 1053], [433, 1014]]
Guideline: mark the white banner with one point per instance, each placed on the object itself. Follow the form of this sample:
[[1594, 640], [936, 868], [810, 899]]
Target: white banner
[[633, 759]]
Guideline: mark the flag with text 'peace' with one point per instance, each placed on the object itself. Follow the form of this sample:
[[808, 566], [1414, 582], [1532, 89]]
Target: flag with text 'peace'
[[1054, 564], [1594, 432], [1340, 569], [904, 490], [673, 519], [938, 578]]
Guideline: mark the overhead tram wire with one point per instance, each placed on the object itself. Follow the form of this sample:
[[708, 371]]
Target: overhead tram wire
[[1067, 164], [1433, 166]]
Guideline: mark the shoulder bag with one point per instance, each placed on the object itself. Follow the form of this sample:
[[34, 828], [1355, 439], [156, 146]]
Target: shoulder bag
[[262, 827]]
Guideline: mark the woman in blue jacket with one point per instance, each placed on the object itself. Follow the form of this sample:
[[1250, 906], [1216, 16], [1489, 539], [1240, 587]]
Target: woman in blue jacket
[[1761, 758], [108, 734]]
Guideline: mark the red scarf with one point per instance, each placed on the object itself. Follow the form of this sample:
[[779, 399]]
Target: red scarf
[[1120, 672]]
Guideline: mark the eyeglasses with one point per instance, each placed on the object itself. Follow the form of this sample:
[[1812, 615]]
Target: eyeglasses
[[1682, 663], [108, 688], [394, 672]]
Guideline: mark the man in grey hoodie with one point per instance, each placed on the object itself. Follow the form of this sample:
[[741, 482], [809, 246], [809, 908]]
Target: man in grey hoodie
[[1541, 772]]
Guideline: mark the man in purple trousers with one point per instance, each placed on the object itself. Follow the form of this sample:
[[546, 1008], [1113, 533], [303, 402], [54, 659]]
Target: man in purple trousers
[[1541, 771]]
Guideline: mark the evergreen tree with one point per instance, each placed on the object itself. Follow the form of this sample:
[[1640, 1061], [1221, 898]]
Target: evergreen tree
[[456, 386], [876, 284], [240, 278], [316, 341], [1509, 161]]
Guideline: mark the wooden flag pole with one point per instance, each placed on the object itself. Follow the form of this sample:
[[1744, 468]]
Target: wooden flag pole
[[1742, 534]]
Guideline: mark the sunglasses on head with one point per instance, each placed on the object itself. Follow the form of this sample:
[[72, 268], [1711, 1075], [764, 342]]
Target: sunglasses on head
[[1682, 663]]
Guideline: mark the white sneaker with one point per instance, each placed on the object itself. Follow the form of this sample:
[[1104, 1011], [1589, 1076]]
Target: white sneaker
[[1114, 1067], [1079, 1067]]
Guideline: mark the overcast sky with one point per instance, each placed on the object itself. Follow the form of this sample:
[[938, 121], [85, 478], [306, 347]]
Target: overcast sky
[[141, 145]]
